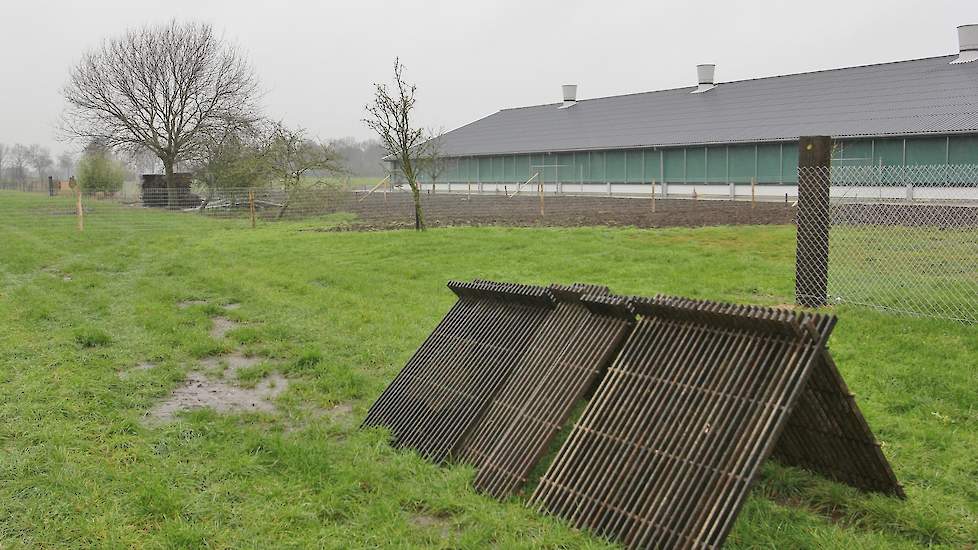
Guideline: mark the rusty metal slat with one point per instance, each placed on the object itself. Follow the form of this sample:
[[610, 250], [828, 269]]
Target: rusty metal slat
[[547, 385]]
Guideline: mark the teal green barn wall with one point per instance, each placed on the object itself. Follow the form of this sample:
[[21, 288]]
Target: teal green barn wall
[[769, 163]]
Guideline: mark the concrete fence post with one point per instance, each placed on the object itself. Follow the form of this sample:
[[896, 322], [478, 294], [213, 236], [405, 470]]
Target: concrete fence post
[[812, 247]]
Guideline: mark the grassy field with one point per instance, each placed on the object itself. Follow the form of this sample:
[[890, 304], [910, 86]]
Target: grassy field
[[339, 313]]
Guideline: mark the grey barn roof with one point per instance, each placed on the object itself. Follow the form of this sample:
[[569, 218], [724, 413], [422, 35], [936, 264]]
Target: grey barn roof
[[923, 96]]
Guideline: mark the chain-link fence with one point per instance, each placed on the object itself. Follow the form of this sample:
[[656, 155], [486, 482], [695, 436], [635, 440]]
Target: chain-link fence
[[898, 238]]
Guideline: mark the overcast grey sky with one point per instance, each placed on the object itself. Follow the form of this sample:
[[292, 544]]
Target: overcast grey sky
[[317, 60]]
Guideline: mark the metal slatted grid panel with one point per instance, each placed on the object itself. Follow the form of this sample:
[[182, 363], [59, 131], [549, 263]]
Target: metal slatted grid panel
[[448, 382], [562, 363], [827, 433], [666, 451]]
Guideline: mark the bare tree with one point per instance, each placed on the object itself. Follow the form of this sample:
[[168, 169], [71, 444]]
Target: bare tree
[[66, 165], [20, 156], [390, 116], [40, 159], [292, 155], [432, 162], [162, 88]]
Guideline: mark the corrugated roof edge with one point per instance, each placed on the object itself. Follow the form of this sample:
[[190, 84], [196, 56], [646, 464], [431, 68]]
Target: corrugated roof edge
[[681, 88], [704, 143]]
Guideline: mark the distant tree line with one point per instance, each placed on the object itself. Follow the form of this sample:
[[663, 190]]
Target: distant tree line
[[361, 157], [21, 164]]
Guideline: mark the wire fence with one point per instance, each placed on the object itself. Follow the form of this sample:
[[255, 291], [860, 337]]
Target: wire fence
[[902, 239], [383, 209]]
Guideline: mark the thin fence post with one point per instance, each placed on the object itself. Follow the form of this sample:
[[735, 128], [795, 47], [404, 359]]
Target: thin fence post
[[78, 203], [653, 195], [753, 192], [812, 248], [540, 186], [251, 207]]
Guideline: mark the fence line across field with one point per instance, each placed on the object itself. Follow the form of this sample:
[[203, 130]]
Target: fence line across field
[[382, 207], [902, 239]]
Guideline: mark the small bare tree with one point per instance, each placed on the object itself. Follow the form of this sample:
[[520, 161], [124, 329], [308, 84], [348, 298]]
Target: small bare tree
[[40, 159], [433, 162], [20, 157], [390, 116], [66, 165], [160, 88], [292, 156]]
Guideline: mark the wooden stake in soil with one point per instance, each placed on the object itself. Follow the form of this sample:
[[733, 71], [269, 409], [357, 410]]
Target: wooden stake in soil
[[78, 203], [251, 207], [753, 192], [540, 186], [653, 195]]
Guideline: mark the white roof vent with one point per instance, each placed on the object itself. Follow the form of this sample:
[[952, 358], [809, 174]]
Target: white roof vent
[[705, 78], [967, 44], [569, 92]]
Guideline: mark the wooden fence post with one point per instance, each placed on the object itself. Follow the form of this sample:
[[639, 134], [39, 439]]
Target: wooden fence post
[[251, 206], [753, 192], [78, 203], [653, 195], [540, 186], [812, 248]]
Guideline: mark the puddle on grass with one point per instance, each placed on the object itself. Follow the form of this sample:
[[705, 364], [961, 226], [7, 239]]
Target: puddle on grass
[[222, 325], [201, 392]]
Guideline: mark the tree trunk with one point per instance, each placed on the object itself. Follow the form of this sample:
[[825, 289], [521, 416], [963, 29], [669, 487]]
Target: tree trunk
[[171, 190], [418, 215]]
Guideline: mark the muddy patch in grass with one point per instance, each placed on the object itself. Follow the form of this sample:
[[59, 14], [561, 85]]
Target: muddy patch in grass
[[438, 523], [222, 326], [232, 306], [190, 303], [202, 392], [139, 367], [339, 411], [230, 364]]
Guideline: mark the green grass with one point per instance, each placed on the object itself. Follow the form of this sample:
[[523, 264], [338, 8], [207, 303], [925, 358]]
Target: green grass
[[339, 314]]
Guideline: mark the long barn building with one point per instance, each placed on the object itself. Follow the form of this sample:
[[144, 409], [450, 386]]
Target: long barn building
[[717, 138]]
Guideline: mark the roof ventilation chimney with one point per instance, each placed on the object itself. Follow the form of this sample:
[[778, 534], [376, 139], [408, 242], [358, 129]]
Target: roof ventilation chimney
[[967, 44], [704, 76], [570, 95]]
